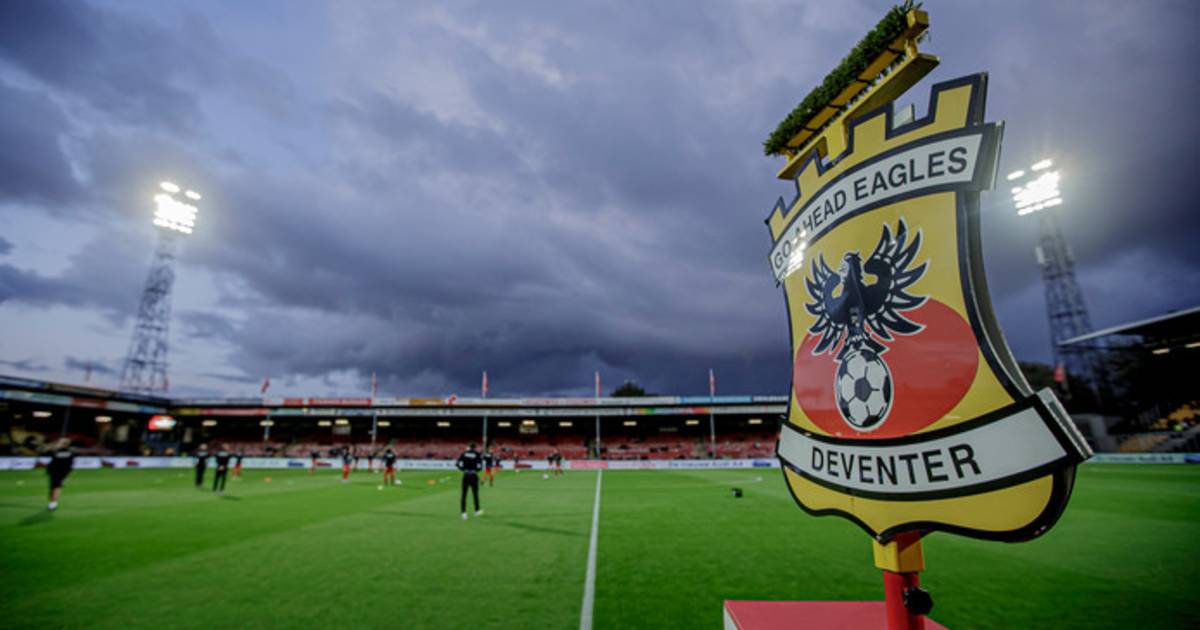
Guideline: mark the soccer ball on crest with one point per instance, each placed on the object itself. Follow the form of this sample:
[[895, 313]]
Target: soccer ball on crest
[[864, 390]]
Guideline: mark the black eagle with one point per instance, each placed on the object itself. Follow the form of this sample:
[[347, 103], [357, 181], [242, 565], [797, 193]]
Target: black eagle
[[859, 306]]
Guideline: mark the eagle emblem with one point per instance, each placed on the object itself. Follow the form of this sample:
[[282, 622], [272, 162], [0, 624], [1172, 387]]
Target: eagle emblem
[[855, 319]]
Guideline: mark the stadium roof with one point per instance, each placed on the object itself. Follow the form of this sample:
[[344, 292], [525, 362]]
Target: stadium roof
[[1175, 328]]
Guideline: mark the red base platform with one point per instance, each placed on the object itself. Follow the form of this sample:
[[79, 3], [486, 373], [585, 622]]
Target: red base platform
[[757, 615]]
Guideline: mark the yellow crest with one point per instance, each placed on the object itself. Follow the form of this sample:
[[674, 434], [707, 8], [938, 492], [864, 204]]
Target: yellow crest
[[907, 410]]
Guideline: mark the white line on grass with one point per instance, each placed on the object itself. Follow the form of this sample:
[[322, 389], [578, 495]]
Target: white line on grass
[[589, 582]]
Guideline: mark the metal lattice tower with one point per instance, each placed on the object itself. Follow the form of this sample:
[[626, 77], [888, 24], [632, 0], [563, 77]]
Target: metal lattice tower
[[145, 368], [1065, 309], [1036, 191]]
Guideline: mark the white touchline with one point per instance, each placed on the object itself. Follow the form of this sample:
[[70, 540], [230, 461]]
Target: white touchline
[[589, 582]]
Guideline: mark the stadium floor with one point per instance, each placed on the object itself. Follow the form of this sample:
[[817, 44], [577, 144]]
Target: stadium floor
[[142, 548]]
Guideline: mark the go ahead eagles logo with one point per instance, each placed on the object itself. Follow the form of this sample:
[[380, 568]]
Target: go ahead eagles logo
[[848, 312], [908, 411]]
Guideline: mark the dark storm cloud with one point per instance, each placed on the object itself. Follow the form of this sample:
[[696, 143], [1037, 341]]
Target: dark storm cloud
[[85, 365], [33, 166], [24, 365], [120, 65], [5, 246], [94, 278], [544, 195], [231, 378]]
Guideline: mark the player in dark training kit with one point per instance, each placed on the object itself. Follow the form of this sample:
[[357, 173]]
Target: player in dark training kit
[[313, 469], [470, 463], [201, 464], [489, 465], [222, 471], [389, 468], [62, 460]]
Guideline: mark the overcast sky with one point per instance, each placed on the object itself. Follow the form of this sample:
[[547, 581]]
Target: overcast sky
[[536, 189]]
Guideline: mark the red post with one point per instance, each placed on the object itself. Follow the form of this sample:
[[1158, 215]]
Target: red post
[[902, 561], [898, 616]]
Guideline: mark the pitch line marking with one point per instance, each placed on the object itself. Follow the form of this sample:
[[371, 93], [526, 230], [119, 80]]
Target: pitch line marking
[[589, 582]]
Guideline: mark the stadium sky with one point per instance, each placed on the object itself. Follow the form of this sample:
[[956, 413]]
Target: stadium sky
[[540, 190]]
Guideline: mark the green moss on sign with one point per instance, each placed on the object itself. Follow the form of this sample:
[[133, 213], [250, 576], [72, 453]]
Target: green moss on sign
[[871, 46]]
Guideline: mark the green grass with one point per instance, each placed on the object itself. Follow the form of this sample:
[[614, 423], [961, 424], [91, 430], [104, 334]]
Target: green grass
[[142, 548]]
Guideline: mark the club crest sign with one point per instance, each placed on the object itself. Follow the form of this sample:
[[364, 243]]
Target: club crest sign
[[907, 410]]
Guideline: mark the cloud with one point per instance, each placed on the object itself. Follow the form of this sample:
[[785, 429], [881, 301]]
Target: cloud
[[98, 276], [33, 164], [119, 64], [540, 195], [25, 365], [97, 366]]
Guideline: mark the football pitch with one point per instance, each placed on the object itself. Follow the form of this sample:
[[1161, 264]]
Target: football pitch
[[142, 548]]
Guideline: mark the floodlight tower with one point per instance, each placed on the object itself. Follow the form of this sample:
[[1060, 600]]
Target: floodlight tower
[[1035, 191], [145, 368]]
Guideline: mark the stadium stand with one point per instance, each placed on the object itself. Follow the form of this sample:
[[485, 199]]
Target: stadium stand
[[1142, 442]]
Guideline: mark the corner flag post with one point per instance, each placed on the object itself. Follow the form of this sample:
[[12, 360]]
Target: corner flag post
[[598, 414], [712, 424], [374, 414], [485, 415]]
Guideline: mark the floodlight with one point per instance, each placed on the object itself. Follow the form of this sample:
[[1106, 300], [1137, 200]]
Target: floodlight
[[172, 214], [384, 423], [692, 423], [103, 419], [566, 423], [1161, 350], [341, 422], [630, 423], [1039, 193], [1015, 174], [42, 414], [324, 423], [755, 421], [208, 423], [266, 423], [1042, 165], [443, 424], [504, 423]]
